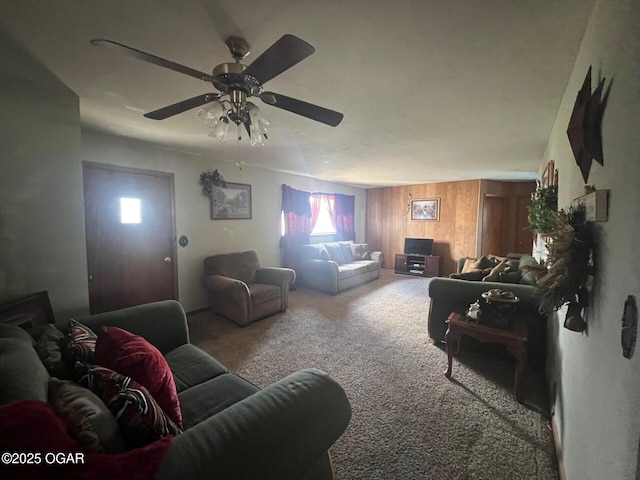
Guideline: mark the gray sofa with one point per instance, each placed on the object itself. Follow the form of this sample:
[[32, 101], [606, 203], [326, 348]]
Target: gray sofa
[[232, 429], [456, 294], [337, 266]]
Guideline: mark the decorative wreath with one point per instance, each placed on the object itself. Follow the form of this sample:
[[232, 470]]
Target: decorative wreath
[[210, 179], [570, 260]]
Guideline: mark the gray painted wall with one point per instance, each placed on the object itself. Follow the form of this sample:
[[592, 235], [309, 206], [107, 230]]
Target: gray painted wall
[[42, 243], [598, 391]]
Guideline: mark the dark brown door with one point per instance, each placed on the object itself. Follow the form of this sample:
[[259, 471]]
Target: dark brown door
[[130, 230], [493, 232], [523, 237]]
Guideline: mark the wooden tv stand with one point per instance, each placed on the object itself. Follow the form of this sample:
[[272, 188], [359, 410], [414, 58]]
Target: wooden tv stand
[[421, 265]]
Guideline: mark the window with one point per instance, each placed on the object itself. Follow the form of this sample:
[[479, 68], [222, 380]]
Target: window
[[130, 210], [325, 223]]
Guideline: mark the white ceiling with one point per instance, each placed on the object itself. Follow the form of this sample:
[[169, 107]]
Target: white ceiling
[[431, 90]]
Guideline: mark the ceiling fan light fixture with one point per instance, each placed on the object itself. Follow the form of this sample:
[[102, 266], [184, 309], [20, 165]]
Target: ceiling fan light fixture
[[219, 131], [258, 125], [211, 114]]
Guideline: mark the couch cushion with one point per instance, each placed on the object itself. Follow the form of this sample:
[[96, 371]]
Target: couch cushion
[[18, 421], [22, 373], [509, 277], [213, 396], [50, 345], [371, 265], [473, 275], [88, 419], [191, 366], [263, 292], [469, 265], [495, 272], [346, 251], [359, 251], [313, 251], [133, 356], [349, 270], [141, 419], [239, 265], [529, 276], [335, 252], [483, 263]]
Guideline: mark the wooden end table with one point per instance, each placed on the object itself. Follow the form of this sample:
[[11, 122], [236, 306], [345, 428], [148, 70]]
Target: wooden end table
[[515, 341]]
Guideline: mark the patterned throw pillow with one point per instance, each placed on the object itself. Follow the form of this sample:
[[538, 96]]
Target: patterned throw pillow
[[82, 342], [133, 356], [141, 419], [87, 417], [360, 251], [495, 272]]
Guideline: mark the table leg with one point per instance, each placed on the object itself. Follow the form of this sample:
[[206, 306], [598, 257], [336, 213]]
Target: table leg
[[520, 354], [450, 339]]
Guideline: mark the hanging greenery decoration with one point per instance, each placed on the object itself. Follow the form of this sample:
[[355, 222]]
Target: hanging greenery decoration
[[570, 260], [544, 204], [210, 179]]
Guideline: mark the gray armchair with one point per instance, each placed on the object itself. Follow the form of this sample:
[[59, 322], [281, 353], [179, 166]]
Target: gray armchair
[[241, 290]]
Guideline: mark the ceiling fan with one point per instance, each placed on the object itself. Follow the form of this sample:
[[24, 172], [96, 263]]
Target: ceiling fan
[[240, 82]]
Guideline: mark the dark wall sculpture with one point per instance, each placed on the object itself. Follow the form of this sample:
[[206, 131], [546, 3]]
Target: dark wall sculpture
[[584, 130]]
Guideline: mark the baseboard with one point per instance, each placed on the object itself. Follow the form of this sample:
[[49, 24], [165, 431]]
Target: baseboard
[[556, 443]]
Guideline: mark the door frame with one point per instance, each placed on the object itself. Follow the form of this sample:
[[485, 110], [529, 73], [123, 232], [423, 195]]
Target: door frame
[[172, 191]]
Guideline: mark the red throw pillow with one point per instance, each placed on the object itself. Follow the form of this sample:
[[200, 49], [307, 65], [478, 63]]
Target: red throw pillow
[[33, 428], [133, 356]]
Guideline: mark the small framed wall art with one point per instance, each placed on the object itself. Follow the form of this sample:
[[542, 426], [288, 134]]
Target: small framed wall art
[[231, 201], [426, 209]]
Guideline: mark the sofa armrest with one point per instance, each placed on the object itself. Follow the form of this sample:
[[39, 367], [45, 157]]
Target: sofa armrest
[[282, 277], [376, 256], [227, 287], [279, 432], [163, 324]]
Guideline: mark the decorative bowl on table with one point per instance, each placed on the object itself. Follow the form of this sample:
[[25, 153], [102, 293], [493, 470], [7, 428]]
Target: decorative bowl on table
[[498, 307]]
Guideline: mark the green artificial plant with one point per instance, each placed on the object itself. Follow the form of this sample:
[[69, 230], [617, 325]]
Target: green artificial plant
[[544, 203]]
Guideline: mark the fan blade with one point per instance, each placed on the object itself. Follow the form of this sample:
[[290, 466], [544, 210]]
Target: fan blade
[[182, 106], [147, 57], [314, 112], [280, 56]]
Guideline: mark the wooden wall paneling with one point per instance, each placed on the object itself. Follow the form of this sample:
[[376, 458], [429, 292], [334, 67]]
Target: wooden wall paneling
[[444, 232], [388, 221], [464, 242]]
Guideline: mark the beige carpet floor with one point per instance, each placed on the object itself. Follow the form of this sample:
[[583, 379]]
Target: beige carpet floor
[[409, 421]]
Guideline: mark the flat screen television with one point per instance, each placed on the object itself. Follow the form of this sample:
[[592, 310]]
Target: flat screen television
[[418, 246]]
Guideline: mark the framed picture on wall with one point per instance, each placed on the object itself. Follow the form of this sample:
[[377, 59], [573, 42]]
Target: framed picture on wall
[[426, 209], [231, 202]]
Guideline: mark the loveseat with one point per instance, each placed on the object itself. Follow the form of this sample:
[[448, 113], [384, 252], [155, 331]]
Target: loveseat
[[462, 289], [231, 428], [337, 266], [243, 291]]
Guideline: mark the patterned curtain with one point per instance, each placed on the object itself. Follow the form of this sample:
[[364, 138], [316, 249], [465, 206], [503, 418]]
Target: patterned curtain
[[344, 208]]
